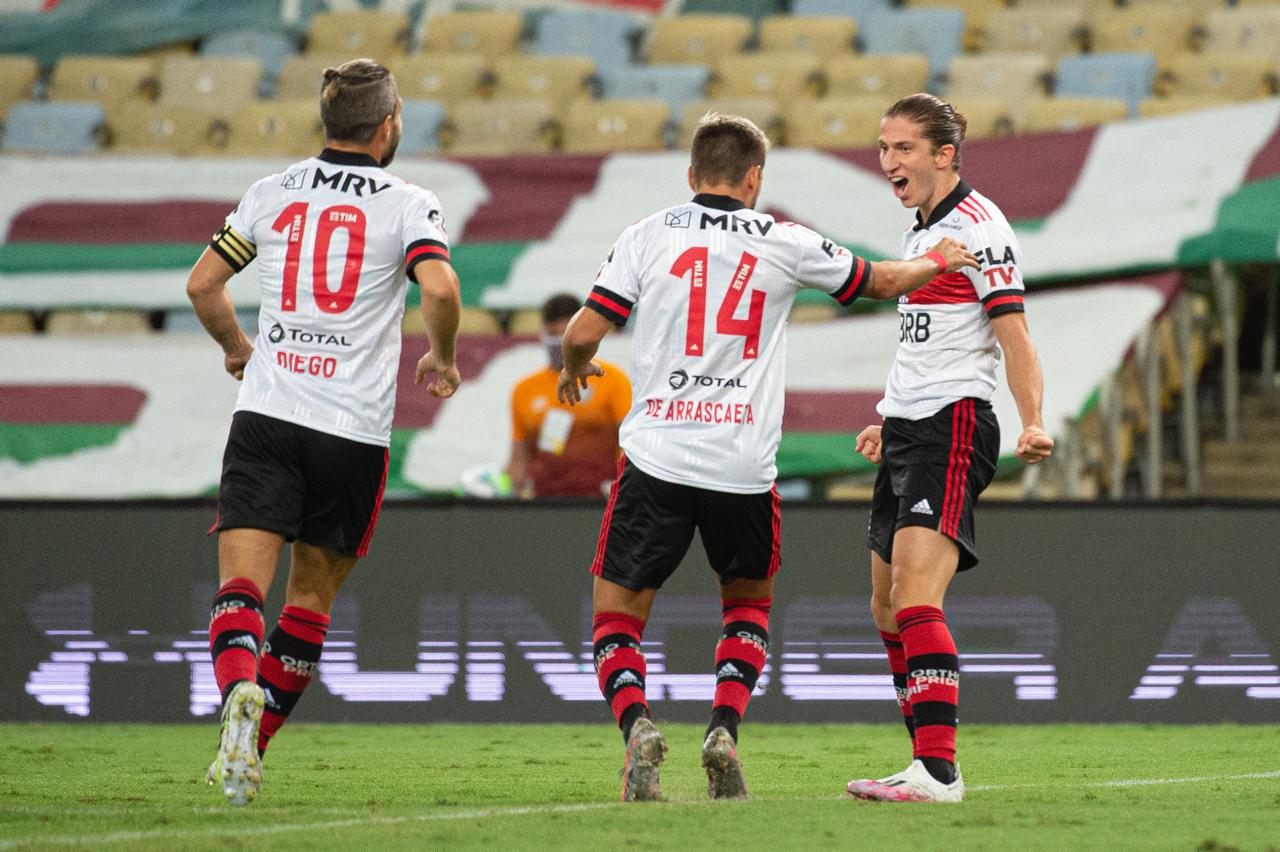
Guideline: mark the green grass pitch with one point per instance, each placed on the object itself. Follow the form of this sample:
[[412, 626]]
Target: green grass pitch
[[556, 787]]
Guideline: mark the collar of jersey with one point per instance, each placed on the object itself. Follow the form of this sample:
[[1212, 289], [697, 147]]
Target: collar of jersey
[[347, 158], [944, 208], [718, 202]]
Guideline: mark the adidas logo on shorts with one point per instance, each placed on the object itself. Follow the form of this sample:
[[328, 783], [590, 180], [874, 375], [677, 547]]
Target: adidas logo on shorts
[[922, 507]]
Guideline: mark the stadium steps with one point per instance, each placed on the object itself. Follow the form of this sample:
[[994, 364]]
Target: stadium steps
[[1250, 468]]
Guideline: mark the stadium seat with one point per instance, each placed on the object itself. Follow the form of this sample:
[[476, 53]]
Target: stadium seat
[[447, 77], [186, 322], [697, 38], [835, 122], [675, 84], [276, 129], [987, 116], [1225, 75], [17, 74], [501, 127], [270, 48], [1057, 114], [471, 321], [823, 36], [1160, 30], [1128, 76], [55, 127], [885, 75], [783, 75], [138, 128], [488, 33], [1089, 8], [936, 33], [1177, 104], [373, 33], [79, 322], [597, 127], [975, 16], [764, 112], [302, 75], [1015, 78], [422, 122], [755, 9], [603, 34], [1054, 31], [16, 322], [558, 79], [856, 9], [109, 80], [217, 86], [1252, 29]]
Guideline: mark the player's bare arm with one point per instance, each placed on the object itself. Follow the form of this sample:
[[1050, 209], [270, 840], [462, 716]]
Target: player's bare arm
[[207, 290], [893, 278], [581, 340], [441, 309], [869, 445], [1026, 382]]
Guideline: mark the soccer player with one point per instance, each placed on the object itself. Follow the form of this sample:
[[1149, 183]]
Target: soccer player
[[711, 282], [558, 450], [337, 238], [938, 446]]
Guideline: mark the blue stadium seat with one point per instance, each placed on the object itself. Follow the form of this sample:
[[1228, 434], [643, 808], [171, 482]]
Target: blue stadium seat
[[422, 120], [602, 34], [675, 84], [271, 49], [756, 9], [935, 32], [1127, 76], [55, 127], [856, 9], [184, 321]]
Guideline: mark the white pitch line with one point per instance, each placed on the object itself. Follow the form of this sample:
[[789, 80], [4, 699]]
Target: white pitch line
[[1128, 782]]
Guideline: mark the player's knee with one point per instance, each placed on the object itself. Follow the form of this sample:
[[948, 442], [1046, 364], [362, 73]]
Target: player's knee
[[882, 612]]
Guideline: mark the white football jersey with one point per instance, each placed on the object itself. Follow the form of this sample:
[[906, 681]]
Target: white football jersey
[[947, 350], [712, 284], [336, 239]]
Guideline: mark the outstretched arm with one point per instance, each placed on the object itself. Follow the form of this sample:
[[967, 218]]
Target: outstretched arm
[[207, 290], [1026, 382], [581, 340], [893, 278]]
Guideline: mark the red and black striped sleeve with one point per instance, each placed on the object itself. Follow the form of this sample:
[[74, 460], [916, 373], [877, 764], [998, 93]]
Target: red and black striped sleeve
[[609, 305], [859, 276], [999, 302], [420, 250], [233, 248]]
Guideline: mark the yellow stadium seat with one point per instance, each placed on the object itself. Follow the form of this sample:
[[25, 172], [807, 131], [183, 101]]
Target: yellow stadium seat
[[1054, 31], [276, 128], [97, 322], [1162, 30], [764, 112], [1017, 79], [138, 128], [975, 16], [1089, 8], [1225, 75], [781, 75], [481, 128], [1176, 104], [822, 35], [694, 39], [525, 322], [1255, 29], [214, 85], [16, 322], [359, 33], [596, 127], [302, 75], [488, 33], [109, 80], [447, 77], [838, 121], [1055, 114], [987, 116], [886, 75], [471, 321], [17, 74], [559, 79]]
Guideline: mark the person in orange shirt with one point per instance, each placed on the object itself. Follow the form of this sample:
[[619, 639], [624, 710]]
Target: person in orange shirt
[[557, 449]]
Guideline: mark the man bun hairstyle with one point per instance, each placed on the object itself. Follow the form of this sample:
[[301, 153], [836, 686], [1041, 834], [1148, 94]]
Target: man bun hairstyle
[[355, 99], [725, 148], [941, 124]]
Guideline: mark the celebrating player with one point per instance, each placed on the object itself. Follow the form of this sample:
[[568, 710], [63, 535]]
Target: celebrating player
[[711, 282], [938, 446], [306, 458]]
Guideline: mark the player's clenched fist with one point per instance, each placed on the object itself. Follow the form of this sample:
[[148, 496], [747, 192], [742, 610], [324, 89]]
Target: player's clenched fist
[[869, 444], [955, 253], [447, 376], [1034, 445]]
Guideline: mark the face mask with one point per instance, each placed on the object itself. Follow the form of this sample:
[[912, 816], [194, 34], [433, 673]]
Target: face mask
[[555, 354]]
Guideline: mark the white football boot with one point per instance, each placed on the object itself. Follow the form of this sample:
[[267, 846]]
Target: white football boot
[[237, 770], [913, 784]]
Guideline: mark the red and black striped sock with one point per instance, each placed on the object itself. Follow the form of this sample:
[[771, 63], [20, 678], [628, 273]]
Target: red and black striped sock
[[740, 657], [620, 666], [235, 632], [933, 681], [289, 661], [898, 668]]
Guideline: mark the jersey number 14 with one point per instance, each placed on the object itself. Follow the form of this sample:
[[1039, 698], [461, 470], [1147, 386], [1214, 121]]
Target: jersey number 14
[[694, 264], [292, 222]]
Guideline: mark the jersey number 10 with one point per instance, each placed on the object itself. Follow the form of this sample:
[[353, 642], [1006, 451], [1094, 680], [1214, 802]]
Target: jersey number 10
[[694, 264], [292, 222]]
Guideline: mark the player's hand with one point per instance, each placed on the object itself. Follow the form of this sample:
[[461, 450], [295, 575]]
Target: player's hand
[[447, 376], [957, 256], [570, 387], [869, 444], [235, 361], [1034, 445]]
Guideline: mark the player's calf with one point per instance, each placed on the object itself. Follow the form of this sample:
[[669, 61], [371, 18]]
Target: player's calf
[[290, 659]]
